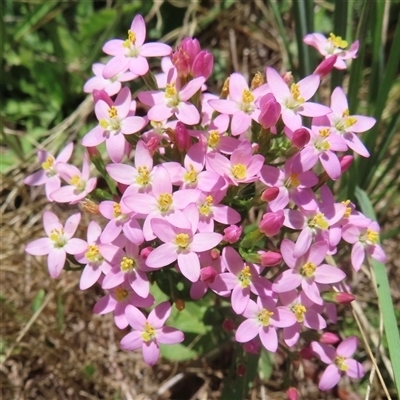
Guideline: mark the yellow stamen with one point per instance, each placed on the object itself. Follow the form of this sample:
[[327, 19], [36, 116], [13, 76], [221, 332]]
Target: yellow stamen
[[113, 112], [319, 221], [257, 81], [205, 207], [294, 179], [340, 363], [308, 269], [58, 238], [295, 90], [132, 36], [213, 139], [372, 236], [77, 182], [350, 121], [347, 213], [127, 264], [324, 132], [117, 210], [182, 240], [48, 164], [264, 316], [121, 294], [144, 176], [247, 96], [225, 89], [191, 175], [170, 91], [149, 332], [346, 113], [337, 41], [245, 276], [103, 123], [93, 254], [239, 171], [299, 311], [164, 201]]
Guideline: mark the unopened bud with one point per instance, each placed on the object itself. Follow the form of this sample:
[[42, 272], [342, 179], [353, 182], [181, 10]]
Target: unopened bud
[[292, 393], [228, 325], [146, 252], [182, 137], [257, 81], [270, 194], [215, 254], [270, 111], [329, 338], [338, 297], [271, 223], [179, 304], [300, 138], [345, 162], [208, 274], [93, 152], [89, 206], [241, 370], [270, 258], [306, 353], [102, 95], [153, 144], [326, 66], [232, 233], [253, 346], [203, 64]]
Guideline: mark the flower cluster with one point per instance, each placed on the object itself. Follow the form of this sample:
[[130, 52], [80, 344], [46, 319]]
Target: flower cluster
[[182, 180]]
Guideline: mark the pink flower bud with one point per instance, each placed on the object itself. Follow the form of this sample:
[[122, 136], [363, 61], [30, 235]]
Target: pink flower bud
[[287, 76], [338, 297], [182, 137], [269, 258], [228, 325], [345, 162], [146, 252], [270, 111], [306, 353], [203, 64], [241, 370], [255, 147], [191, 47], [272, 223], [101, 95], [181, 63], [152, 144], [93, 152], [232, 233], [208, 274], [253, 346], [270, 194], [292, 393], [326, 66], [300, 138], [215, 254], [329, 338]]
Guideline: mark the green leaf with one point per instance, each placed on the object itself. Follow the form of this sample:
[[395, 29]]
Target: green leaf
[[38, 300], [266, 364], [177, 352]]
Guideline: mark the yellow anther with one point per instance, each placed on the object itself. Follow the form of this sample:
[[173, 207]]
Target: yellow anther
[[89, 206], [350, 121], [225, 89], [247, 96], [170, 91], [324, 132], [209, 199], [245, 276], [144, 176], [299, 311], [214, 138], [93, 254], [294, 179], [182, 240], [264, 316], [117, 210], [205, 207], [308, 269], [347, 213], [239, 171], [372, 236], [132, 36], [77, 182], [340, 363], [325, 146], [58, 238], [319, 221], [121, 294], [149, 332], [164, 201], [346, 113], [113, 112], [103, 123], [191, 175], [295, 90], [337, 41], [257, 81], [127, 264], [48, 164]]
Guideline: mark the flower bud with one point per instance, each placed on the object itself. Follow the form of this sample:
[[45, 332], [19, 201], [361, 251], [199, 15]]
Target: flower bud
[[152, 144], [191, 48], [102, 95], [253, 346], [208, 274], [89, 206], [93, 152], [329, 338], [179, 304], [345, 162], [338, 297], [203, 64], [146, 252], [232, 233], [272, 223], [270, 258], [182, 137], [215, 254], [326, 66], [292, 393], [270, 194], [228, 325], [270, 111], [241, 370], [300, 138], [306, 353]]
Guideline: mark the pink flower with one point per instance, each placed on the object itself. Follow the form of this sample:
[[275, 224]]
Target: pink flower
[[131, 53], [59, 242], [48, 175], [181, 243], [80, 185], [294, 100], [332, 46], [338, 361], [263, 318], [114, 121], [149, 332]]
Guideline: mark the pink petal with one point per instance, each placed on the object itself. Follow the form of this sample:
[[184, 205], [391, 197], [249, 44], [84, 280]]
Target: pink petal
[[138, 27], [39, 247], [168, 335], [138, 65], [155, 50], [329, 378], [135, 317], [205, 241], [327, 274], [115, 66], [269, 338], [287, 280], [160, 112], [357, 255], [105, 305], [132, 341], [159, 315], [151, 352], [189, 265], [89, 277], [356, 370], [56, 262], [247, 330], [348, 347], [162, 255], [187, 113]]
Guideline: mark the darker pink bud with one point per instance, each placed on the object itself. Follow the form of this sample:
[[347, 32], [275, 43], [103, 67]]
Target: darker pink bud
[[306, 353], [338, 297], [241, 370], [292, 393], [232, 233], [253, 346], [345, 162], [93, 152], [300, 138], [270, 111], [228, 325], [146, 252], [182, 137], [269, 258], [185, 55], [191, 47], [102, 95], [153, 144], [203, 64], [329, 338], [270, 194], [326, 66], [208, 274], [272, 223]]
